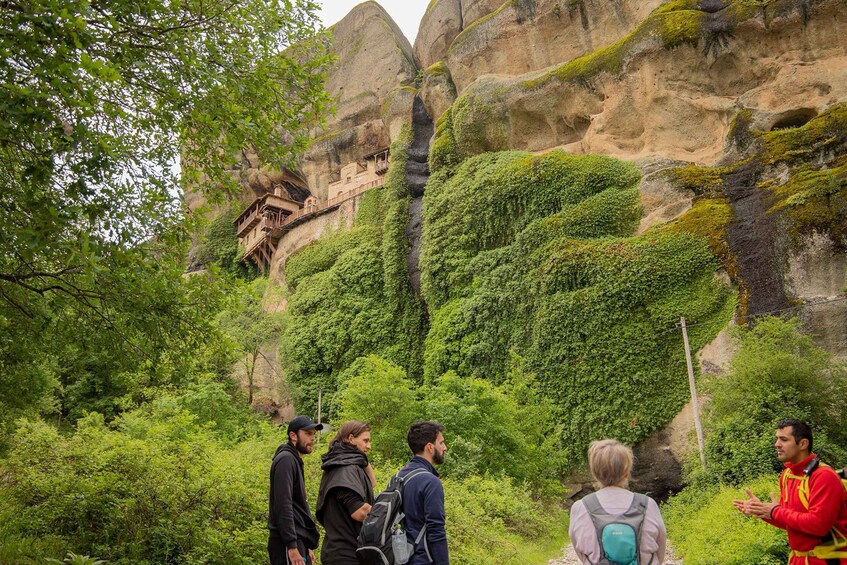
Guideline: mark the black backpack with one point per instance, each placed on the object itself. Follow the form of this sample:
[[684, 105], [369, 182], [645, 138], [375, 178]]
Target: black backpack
[[386, 513]]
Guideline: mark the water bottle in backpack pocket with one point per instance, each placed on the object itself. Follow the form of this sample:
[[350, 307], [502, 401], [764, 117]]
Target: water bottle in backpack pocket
[[400, 546], [619, 534]]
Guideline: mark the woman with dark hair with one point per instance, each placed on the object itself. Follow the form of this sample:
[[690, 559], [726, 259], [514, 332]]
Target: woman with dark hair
[[346, 492]]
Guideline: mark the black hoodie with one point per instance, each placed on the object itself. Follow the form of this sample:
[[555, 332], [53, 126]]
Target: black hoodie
[[344, 485], [289, 513]]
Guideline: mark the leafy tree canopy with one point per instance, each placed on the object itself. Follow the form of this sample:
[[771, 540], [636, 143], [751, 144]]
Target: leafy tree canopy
[[107, 110]]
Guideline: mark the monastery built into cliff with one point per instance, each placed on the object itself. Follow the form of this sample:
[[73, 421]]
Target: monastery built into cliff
[[269, 216]]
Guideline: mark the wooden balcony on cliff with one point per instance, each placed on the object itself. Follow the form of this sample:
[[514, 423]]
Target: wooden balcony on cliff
[[269, 217], [378, 161], [257, 225]]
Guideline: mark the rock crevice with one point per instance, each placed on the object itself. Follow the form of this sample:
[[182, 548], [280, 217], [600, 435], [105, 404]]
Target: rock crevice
[[417, 175]]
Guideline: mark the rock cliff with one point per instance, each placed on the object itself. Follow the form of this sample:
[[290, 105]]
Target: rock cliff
[[374, 63], [735, 113], [657, 92], [662, 83]]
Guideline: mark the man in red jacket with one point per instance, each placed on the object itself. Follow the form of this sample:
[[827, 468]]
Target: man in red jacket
[[812, 503]]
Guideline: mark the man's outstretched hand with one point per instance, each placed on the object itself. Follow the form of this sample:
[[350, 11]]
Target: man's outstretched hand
[[755, 507]]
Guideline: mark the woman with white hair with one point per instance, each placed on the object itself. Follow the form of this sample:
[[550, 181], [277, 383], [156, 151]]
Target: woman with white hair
[[615, 525]]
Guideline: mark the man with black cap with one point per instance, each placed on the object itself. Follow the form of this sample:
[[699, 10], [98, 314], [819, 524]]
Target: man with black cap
[[293, 533]]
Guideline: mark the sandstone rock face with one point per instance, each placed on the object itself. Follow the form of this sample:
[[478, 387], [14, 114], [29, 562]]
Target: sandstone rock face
[[374, 59], [527, 35], [715, 357], [676, 103], [817, 273], [397, 110], [437, 90], [473, 10], [439, 26], [817, 270], [661, 199]]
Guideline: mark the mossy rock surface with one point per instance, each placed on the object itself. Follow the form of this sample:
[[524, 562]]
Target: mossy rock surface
[[495, 113], [800, 176], [826, 134], [534, 256]]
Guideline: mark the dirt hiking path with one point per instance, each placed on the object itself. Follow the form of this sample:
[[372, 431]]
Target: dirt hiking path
[[570, 558]]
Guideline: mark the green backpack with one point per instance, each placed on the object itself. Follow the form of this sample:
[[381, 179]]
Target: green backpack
[[618, 534]]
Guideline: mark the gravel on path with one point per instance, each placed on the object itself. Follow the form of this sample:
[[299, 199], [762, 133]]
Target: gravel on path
[[570, 558]]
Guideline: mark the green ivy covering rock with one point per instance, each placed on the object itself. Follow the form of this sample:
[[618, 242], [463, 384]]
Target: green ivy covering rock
[[351, 294], [218, 244], [528, 255]]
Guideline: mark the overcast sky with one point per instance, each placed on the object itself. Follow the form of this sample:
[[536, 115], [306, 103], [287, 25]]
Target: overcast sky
[[407, 13]]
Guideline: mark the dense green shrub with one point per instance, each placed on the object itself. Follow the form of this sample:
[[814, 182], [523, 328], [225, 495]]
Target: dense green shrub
[[444, 154], [352, 296], [522, 255], [777, 373], [219, 245], [157, 486], [493, 197], [706, 529], [376, 391], [184, 478], [337, 316], [506, 429], [249, 328], [499, 430], [493, 520], [322, 254], [526, 255]]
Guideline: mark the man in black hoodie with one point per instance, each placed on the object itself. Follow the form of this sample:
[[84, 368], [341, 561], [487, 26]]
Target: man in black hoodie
[[293, 533]]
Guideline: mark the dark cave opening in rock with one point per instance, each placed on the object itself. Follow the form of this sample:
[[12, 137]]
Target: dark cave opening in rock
[[795, 118]]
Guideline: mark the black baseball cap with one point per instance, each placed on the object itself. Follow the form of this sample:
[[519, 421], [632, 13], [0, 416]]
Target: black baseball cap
[[303, 423]]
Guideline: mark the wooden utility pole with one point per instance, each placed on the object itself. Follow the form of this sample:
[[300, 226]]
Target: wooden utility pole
[[693, 386], [320, 391]]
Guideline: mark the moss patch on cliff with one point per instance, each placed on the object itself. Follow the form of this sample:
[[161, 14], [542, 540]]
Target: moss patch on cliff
[[708, 217], [671, 25], [472, 120], [439, 68], [388, 106], [670, 28], [700, 180], [826, 134], [816, 200], [438, 73], [531, 256], [444, 152]]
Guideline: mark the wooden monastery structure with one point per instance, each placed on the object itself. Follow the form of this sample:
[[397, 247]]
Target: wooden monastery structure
[[267, 218]]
